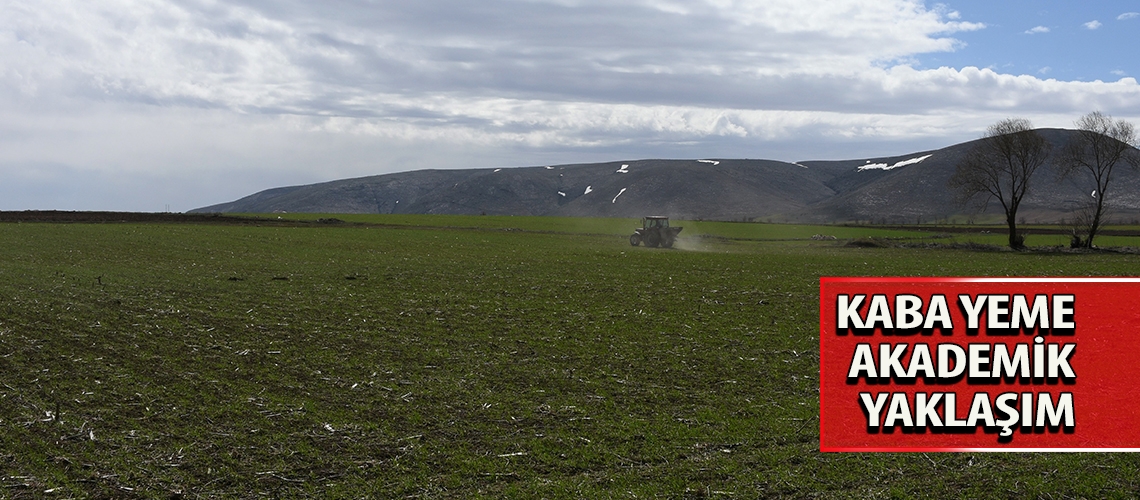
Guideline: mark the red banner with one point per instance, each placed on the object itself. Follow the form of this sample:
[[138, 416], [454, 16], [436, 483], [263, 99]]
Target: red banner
[[979, 364]]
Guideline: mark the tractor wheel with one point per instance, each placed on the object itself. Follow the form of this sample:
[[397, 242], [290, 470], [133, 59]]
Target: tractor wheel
[[667, 242], [652, 240], [635, 239]]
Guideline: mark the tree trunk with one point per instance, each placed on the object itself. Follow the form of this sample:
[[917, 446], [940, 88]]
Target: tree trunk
[[1016, 242], [1095, 224]]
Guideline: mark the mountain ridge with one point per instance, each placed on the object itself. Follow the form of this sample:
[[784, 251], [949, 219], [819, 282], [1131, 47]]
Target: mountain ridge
[[894, 189]]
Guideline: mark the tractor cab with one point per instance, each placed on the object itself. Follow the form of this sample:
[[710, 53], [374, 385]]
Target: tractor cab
[[654, 221]]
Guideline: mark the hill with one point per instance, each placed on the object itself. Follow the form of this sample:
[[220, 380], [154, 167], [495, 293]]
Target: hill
[[899, 189]]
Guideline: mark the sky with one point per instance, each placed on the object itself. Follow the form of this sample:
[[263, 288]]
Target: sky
[[170, 105]]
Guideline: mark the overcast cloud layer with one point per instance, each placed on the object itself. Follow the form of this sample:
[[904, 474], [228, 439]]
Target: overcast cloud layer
[[140, 104]]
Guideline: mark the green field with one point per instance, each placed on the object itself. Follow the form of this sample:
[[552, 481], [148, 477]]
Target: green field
[[459, 357]]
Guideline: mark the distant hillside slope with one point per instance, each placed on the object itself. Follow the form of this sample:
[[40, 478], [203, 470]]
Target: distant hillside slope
[[899, 189]]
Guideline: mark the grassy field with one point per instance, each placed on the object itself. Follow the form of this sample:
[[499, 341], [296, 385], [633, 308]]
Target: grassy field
[[459, 357]]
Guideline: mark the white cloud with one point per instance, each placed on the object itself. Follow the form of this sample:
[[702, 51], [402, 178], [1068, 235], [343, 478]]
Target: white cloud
[[223, 98], [319, 60], [1092, 25], [1044, 70], [1036, 30], [1128, 15]]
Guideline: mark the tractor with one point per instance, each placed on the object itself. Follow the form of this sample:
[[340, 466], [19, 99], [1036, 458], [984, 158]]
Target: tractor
[[654, 232]]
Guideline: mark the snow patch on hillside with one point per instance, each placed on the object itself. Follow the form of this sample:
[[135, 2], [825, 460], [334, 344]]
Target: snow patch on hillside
[[623, 170], [619, 194], [883, 166], [714, 162], [589, 189]]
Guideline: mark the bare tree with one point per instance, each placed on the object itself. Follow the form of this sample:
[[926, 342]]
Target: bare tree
[[1100, 144], [1000, 165]]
